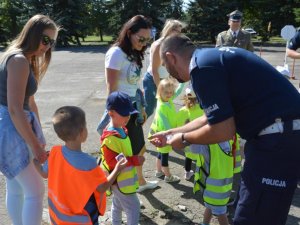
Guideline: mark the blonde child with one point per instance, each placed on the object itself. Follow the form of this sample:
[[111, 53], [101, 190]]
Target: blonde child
[[115, 144], [164, 119], [76, 184], [213, 162], [190, 111]]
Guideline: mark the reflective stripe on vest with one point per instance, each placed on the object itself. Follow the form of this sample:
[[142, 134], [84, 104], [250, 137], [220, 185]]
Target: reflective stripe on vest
[[127, 180], [214, 181], [63, 218]]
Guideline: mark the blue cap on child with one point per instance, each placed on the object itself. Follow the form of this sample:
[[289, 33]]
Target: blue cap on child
[[121, 103]]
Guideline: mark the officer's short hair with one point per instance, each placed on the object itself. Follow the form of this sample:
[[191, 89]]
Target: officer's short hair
[[68, 122], [178, 43]]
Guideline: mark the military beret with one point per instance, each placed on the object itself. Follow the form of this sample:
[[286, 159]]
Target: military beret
[[236, 15]]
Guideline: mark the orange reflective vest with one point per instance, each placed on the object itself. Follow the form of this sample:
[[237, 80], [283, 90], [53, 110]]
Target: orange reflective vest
[[69, 190]]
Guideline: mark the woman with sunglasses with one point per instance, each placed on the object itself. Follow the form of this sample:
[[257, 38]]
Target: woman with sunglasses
[[21, 139], [155, 71], [123, 65]]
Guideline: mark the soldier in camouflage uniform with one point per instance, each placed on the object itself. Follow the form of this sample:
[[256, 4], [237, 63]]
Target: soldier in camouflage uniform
[[235, 36]]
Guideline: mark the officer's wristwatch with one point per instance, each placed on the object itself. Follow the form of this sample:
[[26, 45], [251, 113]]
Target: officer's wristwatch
[[185, 142]]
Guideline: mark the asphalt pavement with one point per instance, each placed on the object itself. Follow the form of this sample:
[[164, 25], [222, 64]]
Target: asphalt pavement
[[76, 77]]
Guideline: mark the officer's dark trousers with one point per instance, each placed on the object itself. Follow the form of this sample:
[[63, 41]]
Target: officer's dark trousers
[[269, 178]]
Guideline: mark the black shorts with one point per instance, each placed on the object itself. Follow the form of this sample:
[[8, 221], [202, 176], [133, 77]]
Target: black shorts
[[136, 134], [164, 158]]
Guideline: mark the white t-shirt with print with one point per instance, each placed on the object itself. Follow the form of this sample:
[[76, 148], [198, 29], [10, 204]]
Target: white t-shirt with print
[[130, 73]]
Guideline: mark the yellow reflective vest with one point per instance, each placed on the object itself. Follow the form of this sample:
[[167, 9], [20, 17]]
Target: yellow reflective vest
[[127, 180], [164, 119], [237, 154], [214, 172], [184, 116]]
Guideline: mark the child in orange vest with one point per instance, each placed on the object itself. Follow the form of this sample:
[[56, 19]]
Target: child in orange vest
[[115, 144], [76, 184]]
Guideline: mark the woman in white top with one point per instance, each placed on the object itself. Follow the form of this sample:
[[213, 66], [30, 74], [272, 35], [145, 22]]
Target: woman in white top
[[123, 65], [156, 71]]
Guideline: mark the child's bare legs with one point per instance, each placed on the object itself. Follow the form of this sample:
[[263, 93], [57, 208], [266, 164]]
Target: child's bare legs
[[207, 216], [220, 211], [144, 185], [166, 171], [165, 168], [158, 165], [223, 220], [139, 169]]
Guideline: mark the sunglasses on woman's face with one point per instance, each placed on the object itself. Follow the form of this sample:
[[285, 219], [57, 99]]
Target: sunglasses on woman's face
[[142, 39], [46, 40]]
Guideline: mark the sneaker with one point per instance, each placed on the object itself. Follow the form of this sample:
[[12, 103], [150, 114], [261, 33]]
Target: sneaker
[[188, 174], [148, 185], [171, 179], [159, 174]]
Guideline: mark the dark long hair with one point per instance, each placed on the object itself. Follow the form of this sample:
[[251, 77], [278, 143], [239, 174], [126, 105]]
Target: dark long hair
[[133, 26]]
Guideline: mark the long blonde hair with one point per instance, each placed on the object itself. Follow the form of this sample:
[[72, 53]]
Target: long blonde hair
[[28, 41], [170, 26]]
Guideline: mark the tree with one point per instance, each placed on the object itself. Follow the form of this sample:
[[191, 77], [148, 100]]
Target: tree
[[259, 13], [206, 18], [158, 10], [98, 15], [12, 19]]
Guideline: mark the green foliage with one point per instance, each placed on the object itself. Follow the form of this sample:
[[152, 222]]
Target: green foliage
[[11, 19], [205, 18], [158, 10]]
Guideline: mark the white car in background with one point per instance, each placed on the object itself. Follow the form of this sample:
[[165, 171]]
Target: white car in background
[[251, 31]]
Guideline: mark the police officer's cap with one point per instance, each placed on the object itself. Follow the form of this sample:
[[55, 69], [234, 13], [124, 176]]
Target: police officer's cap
[[236, 15]]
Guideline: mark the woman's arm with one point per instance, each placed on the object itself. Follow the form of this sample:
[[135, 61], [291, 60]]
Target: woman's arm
[[33, 107], [156, 62], [17, 76], [112, 79]]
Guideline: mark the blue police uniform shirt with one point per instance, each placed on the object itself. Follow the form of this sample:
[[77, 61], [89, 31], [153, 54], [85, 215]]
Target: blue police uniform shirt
[[233, 82], [294, 43]]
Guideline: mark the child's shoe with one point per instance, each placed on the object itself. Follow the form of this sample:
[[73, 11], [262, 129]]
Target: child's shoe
[[159, 174], [171, 179], [188, 174]]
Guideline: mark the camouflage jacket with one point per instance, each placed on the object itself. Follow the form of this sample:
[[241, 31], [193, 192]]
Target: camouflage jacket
[[243, 40]]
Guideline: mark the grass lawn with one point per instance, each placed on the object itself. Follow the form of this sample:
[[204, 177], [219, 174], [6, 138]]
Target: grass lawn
[[95, 40]]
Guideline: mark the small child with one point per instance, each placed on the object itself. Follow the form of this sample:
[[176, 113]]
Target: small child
[[164, 119], [116, 144], [76, 184], [190, 111], [213, 178]]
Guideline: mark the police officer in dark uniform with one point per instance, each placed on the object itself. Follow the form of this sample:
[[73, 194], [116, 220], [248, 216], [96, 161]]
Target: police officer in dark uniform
[[293, 45], [235, 36], [260, 105]]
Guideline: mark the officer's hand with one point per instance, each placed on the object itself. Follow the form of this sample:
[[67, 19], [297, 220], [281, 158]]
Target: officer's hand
[[175, 141]]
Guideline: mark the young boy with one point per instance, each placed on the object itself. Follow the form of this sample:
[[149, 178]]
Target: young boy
[[76, 184], [116, 144]]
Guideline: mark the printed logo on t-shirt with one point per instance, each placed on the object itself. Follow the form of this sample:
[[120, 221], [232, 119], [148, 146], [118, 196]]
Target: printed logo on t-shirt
[[133, 73]]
